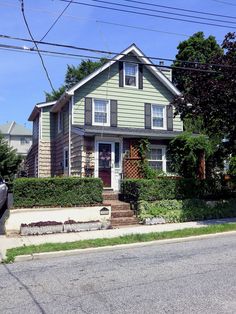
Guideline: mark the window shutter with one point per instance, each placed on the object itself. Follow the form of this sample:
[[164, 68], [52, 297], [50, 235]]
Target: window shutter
[[121, 74], [113, 109], [148, 116], [88, 111], [140, 76], [169, 113]]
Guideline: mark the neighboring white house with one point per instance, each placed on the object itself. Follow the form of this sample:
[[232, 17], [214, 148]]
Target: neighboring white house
[[17, 136]]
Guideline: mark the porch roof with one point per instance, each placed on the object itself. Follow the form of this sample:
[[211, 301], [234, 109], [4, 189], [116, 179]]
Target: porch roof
[[124, 132]]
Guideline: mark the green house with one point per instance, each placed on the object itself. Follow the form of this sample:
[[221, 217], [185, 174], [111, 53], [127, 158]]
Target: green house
[[95, 127]]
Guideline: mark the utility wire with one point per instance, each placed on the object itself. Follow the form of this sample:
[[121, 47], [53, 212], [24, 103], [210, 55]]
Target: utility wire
[[30, 50], [35, 43], [163, 12], [54, 23], [147, 14], [224, 2], [99, 21], [184, 10], [112, 52]]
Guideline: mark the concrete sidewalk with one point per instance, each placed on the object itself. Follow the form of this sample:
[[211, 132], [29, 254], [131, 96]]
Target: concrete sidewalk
[[11, 242]]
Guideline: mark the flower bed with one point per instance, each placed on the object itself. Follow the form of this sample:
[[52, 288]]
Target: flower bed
[[42, 227], [49, 227]]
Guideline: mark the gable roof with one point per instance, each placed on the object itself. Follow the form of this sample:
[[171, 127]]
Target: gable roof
[[38, 107], [142, 58], [13, 128]]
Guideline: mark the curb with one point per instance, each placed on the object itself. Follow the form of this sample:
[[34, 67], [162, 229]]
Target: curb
[[46, 255]]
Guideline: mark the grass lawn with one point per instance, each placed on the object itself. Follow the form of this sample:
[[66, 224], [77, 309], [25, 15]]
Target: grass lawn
[[133, 238]]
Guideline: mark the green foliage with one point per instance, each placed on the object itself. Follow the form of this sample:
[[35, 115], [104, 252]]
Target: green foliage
[[73, 191], [56, 94], [187, 210], [9, 160], [146, 170], [74, 74], [144, 148], [196, 48], [212, 95], [232, 166], [184, 151], [172, 188]]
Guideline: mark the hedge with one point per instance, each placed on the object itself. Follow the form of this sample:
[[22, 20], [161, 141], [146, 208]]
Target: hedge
[[73, 191], [187, 210], [172, 188]]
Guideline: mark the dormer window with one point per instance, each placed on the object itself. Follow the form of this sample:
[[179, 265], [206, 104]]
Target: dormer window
[[131, 74]]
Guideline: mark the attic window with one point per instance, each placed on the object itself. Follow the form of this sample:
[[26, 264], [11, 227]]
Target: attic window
[[131, 74]]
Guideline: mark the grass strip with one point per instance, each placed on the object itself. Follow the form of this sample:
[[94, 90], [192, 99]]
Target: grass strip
[[132, 238]]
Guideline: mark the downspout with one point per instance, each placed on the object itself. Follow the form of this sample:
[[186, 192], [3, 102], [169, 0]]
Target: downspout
[[70, 127]]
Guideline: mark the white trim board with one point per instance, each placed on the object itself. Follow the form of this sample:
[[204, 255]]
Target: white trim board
[[140, 55]]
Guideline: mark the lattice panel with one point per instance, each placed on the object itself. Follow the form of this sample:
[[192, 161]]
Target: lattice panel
[[132, 168], [134, 151]]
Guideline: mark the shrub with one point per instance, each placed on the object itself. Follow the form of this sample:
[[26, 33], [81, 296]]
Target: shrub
[[187, 210], [171, 188], [232, 166], [29, 192]]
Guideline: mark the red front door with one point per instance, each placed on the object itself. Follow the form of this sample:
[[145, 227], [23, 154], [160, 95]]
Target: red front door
[[104, 163]]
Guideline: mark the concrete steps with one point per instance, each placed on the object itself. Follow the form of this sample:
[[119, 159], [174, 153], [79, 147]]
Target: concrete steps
[[121, 213]]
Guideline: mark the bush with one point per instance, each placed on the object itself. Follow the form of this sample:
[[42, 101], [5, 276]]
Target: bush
[[187, 210], [232, 166], [29, 192], [171, 188]]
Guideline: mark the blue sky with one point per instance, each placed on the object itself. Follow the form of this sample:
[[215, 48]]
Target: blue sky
[[22, 79]]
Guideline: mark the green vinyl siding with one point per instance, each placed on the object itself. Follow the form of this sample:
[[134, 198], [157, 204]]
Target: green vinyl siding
[[48, 124], [45, 123], [130, 100]]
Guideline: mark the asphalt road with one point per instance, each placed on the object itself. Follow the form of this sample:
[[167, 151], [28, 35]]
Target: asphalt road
[[189, 277]]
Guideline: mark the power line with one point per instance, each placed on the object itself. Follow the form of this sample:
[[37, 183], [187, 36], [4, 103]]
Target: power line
[[35, 43], [182, 9], [111, 52], [224, 2], [100, 21], [142, 28], [163, 12], [147, 14], [57, 19], [30, 50]]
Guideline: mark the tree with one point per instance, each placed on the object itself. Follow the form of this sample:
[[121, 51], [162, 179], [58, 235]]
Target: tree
[[9, 159], [212, 95], [73, 75], [185, 152], [195, 49]]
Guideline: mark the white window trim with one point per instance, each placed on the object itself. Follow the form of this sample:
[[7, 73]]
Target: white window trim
[[64, 159], [59, 118], [164, 117], [137, 83], [108, 123], [163, 148]]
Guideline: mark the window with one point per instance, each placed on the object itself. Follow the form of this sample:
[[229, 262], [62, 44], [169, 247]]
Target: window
[[131, 74], [156, 158], [66, 158], [60, 121], [158, 117], [101, 112], [24, 140]]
